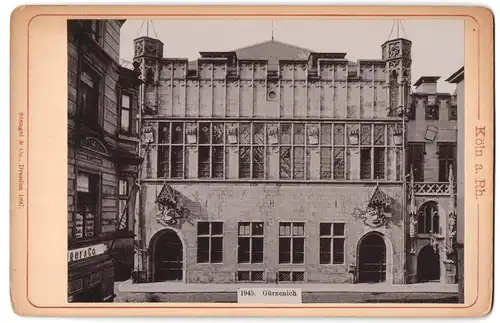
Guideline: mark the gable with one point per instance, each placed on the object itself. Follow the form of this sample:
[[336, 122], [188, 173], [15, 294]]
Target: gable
[[273, 51]]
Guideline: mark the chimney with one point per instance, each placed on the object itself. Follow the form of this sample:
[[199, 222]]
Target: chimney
[[427, 84]]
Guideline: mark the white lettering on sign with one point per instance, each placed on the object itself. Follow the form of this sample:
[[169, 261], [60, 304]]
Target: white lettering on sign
[[86, 252], [270, 295]]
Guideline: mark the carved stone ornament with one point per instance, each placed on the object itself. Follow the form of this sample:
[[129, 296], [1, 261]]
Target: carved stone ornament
[[139, 48], [94, 144], [443, 249], [394, 50], [406, 49], [377, 212], [393, 65], [151, 49], [171, 210]]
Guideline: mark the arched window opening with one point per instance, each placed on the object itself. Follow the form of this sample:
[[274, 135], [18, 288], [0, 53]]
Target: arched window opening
[[428, 218]]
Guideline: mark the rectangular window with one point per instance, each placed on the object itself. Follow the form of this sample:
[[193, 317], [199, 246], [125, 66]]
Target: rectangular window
[[244, 162], [92, 28], [379, 134], [210, 242], [298, 163], [338, 139], [257, 150], [291, 242], [177, 164], [339, 158], [163, 161], [125, 120], [88, 201], [250, 276], [366, 134], [164, 133], [211, 150], [123, 209], [258, 162], [366, 163], [285, 163], [331, 241], [447, 157], [416, 152], [379, 163], [326, 163], [250, 242], [452, 112], [326, 134], [89, 96], [431, 112], [290, 276]]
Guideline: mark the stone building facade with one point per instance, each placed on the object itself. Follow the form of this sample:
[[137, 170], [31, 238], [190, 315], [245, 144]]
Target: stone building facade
[[102, 159], [274, 163]]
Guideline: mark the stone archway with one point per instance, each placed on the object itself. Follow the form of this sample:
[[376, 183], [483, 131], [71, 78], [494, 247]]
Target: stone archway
[[167, 256], [372, 259], [428, 265]]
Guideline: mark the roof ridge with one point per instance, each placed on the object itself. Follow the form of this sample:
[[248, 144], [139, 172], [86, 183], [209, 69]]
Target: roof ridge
[[273, 41]]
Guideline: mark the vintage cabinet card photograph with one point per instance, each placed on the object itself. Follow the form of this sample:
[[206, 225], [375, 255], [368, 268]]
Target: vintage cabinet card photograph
[[252, 161]]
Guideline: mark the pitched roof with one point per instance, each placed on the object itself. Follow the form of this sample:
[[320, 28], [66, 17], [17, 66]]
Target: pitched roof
[[427, 79], [273, 51]]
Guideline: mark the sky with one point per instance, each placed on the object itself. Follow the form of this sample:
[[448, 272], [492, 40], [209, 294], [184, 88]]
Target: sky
[[437, 45]]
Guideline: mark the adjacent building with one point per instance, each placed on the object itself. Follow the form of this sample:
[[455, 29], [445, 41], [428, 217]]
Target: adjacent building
[[432, 169], [102, 160], [458, 79]]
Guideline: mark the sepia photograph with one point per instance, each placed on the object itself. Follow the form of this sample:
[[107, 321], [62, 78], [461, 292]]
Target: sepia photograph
[[265, 161]]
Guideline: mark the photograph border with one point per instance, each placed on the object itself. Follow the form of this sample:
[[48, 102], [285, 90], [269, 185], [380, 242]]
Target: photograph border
[[33, 28]]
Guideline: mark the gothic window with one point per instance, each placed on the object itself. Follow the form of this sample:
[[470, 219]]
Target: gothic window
[[428, 218]]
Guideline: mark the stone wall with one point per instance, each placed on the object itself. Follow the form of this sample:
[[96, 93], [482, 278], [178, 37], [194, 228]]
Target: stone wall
[[271, 204]]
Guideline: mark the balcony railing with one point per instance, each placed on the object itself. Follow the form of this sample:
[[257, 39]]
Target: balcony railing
[[433, 188]]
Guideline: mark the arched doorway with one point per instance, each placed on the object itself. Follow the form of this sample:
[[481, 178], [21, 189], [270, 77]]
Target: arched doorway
[[372, 257], [428, 265], [167, 257]]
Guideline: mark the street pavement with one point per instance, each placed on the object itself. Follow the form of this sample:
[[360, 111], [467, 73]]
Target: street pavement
[[311, 293]]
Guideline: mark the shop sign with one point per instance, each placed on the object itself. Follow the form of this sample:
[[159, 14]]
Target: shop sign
[[86, 252]]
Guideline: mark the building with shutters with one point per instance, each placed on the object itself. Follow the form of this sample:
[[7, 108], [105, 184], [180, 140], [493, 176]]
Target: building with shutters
[[274, 163], [102, 160]]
